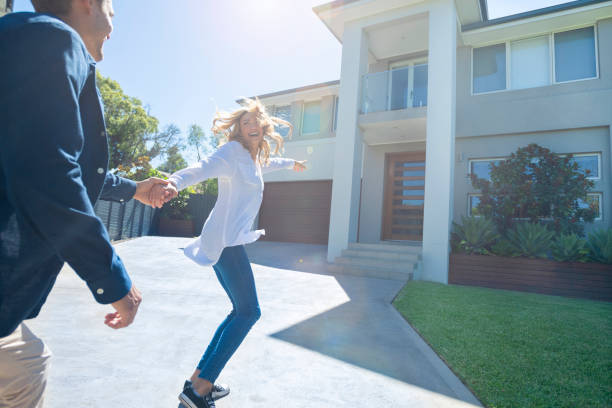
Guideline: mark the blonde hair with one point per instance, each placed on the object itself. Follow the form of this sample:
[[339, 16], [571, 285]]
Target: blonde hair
[[227, 125]]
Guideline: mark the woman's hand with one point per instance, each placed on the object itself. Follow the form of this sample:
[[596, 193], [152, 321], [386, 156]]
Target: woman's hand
[[159, 195], [299, 165], [144, 188]]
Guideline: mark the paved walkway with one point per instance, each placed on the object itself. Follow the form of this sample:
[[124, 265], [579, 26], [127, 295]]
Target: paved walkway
[[323, 340]]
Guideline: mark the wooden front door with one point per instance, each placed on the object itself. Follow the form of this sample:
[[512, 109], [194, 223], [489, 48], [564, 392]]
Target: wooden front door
[[404, 196]]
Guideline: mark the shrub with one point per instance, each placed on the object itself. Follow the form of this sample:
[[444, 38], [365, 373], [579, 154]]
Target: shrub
[[177, 207], [569, 248], [475, 235], [530, 239], [504, 248], [599, 244], [535, 184]]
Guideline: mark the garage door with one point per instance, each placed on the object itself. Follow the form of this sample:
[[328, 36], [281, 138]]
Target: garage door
[[296, 211]]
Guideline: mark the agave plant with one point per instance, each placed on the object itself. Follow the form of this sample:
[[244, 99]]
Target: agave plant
[[503, 247], [569, 248], [475, 235], [530, 239], [600, 246]]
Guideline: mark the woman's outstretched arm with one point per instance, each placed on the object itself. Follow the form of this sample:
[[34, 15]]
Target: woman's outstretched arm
[[215, 166], [281, 163]]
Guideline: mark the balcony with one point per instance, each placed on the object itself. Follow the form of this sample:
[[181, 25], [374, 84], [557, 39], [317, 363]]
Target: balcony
[[400, 88], [394, 105]]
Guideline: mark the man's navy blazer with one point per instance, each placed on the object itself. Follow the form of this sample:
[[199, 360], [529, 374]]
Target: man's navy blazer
[[53, 168]]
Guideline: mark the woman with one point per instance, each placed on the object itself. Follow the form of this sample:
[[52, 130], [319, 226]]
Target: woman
[[238, 165]]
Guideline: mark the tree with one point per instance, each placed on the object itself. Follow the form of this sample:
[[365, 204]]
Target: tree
[[203, 145], [196, 138], [537, 185], [132, 131], [174, 160], [141, 169]]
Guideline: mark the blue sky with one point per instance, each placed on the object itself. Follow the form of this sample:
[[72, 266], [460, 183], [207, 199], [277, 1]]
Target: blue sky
[[183, 61]]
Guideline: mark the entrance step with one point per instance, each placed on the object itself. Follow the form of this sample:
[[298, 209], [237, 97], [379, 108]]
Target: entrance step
[[382, 255], [388, 247], [368, 272], [382, 260]]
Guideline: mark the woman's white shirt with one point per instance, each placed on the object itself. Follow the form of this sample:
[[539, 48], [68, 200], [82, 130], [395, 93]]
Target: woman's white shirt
[[240, 193]]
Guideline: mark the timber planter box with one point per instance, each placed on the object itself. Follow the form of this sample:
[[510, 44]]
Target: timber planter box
[[571, 279], [170, 227]]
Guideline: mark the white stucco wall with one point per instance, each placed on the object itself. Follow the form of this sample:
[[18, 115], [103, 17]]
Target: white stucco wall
[[319, 154]]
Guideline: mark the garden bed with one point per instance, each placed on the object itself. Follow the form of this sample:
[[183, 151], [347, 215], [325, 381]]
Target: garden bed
[[571, 279]]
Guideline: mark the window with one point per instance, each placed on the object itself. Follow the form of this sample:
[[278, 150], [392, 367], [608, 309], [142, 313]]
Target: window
[[593, 199], [482, 167], [473, 201], [311, 120], [408, 84], [575, 55], [530, 63], [335, 124], [489, 68], [588, 164], [283, 112]]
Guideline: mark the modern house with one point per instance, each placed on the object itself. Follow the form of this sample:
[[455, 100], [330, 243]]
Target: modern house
[[430, 91]]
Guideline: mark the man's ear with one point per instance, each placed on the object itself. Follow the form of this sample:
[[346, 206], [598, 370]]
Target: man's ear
[[83, 6]]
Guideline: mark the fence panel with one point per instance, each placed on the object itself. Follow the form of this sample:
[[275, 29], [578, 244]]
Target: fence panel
[[132, 219], [200, 206]]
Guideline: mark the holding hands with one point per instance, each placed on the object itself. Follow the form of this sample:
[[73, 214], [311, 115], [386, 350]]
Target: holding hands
[[144, 188], [160, 194]]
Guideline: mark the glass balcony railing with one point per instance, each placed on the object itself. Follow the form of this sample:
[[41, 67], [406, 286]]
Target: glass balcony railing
[[400, 88]]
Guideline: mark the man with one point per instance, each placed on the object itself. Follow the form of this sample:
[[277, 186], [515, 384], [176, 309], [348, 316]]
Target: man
[[53, 168]]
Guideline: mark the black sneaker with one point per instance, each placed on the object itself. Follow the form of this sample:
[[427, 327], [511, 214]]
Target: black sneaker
[[189, 398], [218, 391]]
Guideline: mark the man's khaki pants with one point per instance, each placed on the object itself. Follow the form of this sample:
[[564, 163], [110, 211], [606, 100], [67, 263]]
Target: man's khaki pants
[[24, 366]]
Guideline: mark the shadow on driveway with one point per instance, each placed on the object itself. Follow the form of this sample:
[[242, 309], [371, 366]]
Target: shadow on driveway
[[366, 331]]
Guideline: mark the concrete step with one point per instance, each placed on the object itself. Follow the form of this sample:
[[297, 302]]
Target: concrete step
[[376, 264], [386, 247], [382, 255], [369, 272]]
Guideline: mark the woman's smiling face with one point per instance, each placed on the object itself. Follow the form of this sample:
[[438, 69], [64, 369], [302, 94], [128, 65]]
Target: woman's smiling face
[[251, 130]]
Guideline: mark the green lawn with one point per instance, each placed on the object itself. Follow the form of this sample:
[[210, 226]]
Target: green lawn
[[517, 349]]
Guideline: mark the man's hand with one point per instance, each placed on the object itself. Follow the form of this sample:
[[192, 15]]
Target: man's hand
[[299, 165], [143, 188], [159, 194], [126, 309]]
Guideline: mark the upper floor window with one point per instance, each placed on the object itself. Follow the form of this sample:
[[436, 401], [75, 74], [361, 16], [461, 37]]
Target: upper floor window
[[311, 119], [529, 63], [283, 112], [490, 68], [575, 55]]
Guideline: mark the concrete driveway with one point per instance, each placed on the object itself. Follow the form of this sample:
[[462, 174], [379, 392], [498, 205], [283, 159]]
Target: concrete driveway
[[322, 341]]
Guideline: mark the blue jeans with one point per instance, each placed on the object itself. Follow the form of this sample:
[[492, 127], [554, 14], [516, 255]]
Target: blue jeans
[[236, 276]]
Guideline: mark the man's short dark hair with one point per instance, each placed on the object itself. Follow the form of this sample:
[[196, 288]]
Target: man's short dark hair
[[57, 7]]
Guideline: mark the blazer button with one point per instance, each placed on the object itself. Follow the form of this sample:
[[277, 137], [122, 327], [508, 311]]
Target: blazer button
[[100, 170], [100, 291]]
